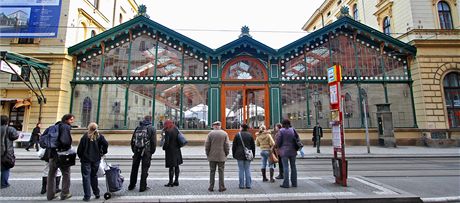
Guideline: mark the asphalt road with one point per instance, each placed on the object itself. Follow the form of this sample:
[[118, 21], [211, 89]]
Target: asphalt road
[[425, 177]]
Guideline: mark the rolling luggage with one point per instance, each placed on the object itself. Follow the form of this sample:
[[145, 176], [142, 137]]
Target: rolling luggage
[[114, 180]]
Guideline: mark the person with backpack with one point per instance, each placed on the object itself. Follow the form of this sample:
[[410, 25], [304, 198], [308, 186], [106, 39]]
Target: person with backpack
[[143, 145], [8, 135], [241, 141], [173, 154], [58, 142], [92, 147]]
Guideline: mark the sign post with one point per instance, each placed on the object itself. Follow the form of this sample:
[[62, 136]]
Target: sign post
[[339, 163]]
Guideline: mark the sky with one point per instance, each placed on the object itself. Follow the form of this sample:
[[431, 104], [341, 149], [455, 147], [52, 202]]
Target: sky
[[215, 23]]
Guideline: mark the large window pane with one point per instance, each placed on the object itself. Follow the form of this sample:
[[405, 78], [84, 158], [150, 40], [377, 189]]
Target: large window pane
[[112, 113], [373, 94], [352, 106], [294, 104], [169, 61], [89, 66], [139, 103], [143, 56], [319, 104], [295, 67], [85, 104], [167, 104], [195, 106], [343, 54], [401, 105], [193, 66], [116, 61], [317, 59]]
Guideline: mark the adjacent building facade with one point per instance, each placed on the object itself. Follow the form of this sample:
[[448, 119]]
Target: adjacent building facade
[[433, 27], [79, 20]]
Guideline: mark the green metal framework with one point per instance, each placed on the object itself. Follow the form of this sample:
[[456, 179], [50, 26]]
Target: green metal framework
[[175, 65]]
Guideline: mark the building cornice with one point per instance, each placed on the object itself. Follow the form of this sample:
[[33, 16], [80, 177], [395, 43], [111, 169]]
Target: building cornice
[[90, 18], [326, 4]]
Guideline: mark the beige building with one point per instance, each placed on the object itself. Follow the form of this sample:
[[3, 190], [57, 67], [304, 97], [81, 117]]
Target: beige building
[[79, 20], [432, 26]]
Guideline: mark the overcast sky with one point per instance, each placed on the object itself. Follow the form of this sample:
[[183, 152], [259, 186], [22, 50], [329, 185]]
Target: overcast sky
[[216, 22]]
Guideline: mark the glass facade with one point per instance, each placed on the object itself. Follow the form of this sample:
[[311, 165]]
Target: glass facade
[[154, 71]]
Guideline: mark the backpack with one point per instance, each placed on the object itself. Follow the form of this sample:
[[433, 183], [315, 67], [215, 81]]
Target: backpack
[[49, 138], [140, 137]]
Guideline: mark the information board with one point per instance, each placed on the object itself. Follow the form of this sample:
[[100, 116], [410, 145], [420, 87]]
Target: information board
[[29, 18]]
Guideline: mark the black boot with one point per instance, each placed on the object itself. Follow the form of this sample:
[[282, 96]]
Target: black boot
[[43, 191], [272, 172], [264, 176], [171, 174], [58, 181], [176, 176]]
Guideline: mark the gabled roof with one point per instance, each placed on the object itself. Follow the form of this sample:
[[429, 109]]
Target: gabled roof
[[143, 21], [344, 23], [244, 40], [347, 22]]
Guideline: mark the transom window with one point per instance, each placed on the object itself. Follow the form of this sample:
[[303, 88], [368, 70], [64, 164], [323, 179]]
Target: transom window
[[355, 12], [445, 17], [452, 98], [245, 68]]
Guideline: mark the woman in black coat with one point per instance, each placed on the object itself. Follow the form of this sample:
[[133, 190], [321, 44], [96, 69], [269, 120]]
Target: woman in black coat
[[173, 154]]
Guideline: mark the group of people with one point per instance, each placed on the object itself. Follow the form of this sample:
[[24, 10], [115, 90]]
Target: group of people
[[278, 147], [281, 144]]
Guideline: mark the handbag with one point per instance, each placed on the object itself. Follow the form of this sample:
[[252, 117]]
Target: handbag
[[8, 160], [298, 142], [272, 157], [247, 153], [182, 140], [66, 158]]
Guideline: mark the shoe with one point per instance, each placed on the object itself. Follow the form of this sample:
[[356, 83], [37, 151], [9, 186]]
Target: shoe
[[176, 184], [131, 187], [86, 199], [144, 189], [294, 185], [27, 149], [97, 196], [44, 183], [241, 187], [283, 186], [279, 177], [210, 189], [67, 196], [222, 189], [248, 187], [169, 185]]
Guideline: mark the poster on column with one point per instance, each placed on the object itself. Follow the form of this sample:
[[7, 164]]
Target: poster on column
[[336, 137], [29, 18]]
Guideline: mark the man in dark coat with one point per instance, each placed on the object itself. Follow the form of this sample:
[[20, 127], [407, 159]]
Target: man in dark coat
[[317, 135], [34, 137], [143, 154], [64, 143], [8, 135]]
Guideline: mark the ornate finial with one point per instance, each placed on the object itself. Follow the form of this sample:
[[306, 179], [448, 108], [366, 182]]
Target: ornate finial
[[142, 11], [344, 12], [245, 31]]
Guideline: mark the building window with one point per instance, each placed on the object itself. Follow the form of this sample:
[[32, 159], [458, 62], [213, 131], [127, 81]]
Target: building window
[[386, 25], [25, 73], [26, 41], [355, 12], [121, 19], [86, 112], [339, 2], [95, 3], [142, 46], [445, 17], [93, 33], [452, 98]]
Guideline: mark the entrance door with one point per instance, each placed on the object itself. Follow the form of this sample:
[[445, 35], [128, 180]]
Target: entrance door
[[244, 104], [244, 95]]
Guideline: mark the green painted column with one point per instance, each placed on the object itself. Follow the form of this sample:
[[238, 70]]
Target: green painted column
[[181, 112], [72, 91], [275, 105], [214, 104], [307, 90], [125, 122], [99, 103]]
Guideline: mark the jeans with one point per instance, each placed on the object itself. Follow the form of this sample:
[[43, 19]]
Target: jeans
[[291, 160], [51, 182], [212, 175], [5, 177], [244, 173], [89, 178], [137, 158], [265, 154]]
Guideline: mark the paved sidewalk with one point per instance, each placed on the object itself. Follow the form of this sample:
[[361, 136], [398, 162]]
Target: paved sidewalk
[[198, 152]]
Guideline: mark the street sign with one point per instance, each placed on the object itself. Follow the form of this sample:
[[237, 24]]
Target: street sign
[[9, 68]]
